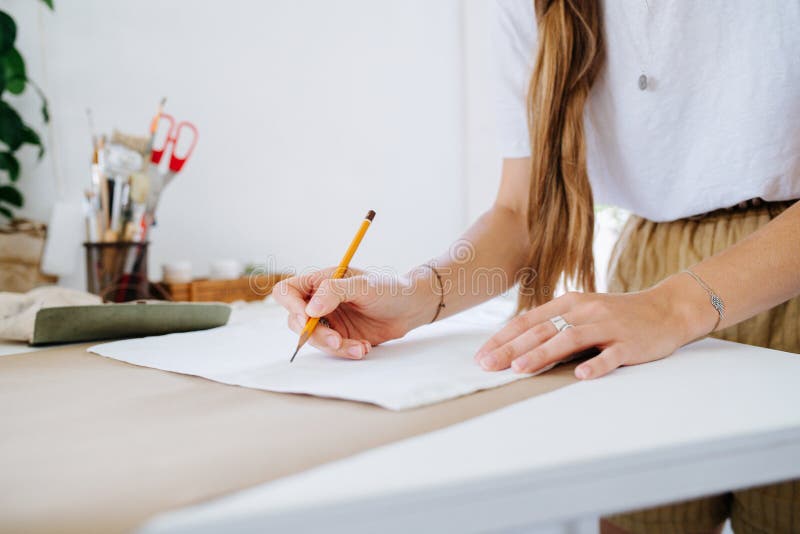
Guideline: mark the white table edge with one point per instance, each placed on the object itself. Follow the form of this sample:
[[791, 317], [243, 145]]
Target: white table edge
[[505, 501]]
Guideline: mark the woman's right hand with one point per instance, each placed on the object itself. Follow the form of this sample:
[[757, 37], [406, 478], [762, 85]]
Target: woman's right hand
[[362, 310]]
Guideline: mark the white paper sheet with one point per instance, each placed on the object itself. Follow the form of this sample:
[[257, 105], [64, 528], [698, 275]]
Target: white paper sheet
[[430, 365]]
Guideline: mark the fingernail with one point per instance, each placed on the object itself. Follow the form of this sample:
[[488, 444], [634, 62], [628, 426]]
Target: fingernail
[[332, 341], [582, 372], [479, 356], [488, 362], [313, 309], [355, 352], [520, 365]]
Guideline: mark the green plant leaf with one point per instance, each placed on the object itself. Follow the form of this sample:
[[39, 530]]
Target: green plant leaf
[[8, 32], [14, 71], [12, 129], [45, 106], [9, 164], [6, 212], [45, 110], [32, 138], [11, 195], [29, 136], [48, 3]]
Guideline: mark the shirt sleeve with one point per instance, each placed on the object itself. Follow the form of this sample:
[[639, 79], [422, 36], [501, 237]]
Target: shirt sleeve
[[513, 35]]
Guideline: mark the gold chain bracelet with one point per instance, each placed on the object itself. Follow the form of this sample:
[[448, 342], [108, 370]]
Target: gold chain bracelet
[[716, 300], [441, 305]]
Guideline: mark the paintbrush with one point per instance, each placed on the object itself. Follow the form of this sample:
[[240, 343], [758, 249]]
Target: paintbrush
[[153, 130]]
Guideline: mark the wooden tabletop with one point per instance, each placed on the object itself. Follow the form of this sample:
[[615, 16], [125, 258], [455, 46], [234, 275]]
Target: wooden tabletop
[[92, 444]]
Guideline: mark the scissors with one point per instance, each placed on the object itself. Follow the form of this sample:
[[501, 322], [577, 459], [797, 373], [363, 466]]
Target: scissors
[[175, 132]]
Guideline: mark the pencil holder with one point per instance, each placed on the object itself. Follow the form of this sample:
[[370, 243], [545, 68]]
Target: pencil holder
[[117, 271]]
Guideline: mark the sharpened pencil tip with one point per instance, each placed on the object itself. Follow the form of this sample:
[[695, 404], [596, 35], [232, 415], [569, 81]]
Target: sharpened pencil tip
[[302, 341]]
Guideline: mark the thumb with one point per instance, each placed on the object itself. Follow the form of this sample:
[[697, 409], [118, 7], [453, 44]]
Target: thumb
[[331, 293]]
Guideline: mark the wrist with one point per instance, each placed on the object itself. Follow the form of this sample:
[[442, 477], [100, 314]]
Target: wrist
[[685, 306], [423, 295]]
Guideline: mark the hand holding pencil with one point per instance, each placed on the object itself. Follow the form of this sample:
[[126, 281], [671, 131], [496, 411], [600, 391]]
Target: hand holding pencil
[[312, 322], [360, 311]]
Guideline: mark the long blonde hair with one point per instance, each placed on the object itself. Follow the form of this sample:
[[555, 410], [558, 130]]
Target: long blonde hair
[[571, 52]]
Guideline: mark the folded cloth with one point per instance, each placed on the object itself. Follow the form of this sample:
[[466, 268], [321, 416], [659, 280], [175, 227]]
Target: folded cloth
[[18, 310]]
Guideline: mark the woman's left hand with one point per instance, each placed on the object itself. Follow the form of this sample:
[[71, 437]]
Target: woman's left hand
[[627, 328]]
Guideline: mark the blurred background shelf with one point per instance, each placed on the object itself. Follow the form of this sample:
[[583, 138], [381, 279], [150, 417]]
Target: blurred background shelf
[[247, 288]]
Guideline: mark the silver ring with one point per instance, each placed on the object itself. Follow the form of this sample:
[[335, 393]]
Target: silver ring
[[560, 323]]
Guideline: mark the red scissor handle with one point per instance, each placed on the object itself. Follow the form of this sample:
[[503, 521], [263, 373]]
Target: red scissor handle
[[176, 162], [158, 153], [174, 132]]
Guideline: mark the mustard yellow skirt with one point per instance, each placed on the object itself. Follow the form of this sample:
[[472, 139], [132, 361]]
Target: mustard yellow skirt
[[648, 252]]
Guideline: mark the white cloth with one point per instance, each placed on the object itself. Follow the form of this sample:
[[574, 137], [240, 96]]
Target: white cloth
[[430, 365], [718, 124], [18, 310]]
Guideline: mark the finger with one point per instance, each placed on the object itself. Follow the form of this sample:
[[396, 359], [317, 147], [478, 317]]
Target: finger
[[602, 364], [293, 293], [322, 336], [287, 294], [564, 344], [528, 320], [331, 342], [331, 293], [351, 349], [501, 357], [354, 349]]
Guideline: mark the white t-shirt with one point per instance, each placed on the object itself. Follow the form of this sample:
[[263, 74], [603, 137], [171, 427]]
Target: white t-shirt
[[718, 124]]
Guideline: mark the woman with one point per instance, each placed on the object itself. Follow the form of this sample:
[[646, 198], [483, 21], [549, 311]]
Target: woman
[[685, 113]]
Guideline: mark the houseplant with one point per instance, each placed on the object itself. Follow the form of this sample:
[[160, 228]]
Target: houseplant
[[21, 241], [14, 132]]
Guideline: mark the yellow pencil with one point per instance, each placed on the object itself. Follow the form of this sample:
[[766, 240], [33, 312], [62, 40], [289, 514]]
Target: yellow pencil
[[312, 322]]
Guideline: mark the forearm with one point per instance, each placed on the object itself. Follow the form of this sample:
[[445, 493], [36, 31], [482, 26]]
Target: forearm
[[481, 264], [758, 273]]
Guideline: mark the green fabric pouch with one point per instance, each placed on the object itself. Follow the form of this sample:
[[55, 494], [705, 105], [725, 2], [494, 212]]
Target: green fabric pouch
[[71, 324]]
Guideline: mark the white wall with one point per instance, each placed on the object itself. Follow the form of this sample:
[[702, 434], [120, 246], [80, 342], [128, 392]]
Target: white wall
[[482, 160], [310, 112]]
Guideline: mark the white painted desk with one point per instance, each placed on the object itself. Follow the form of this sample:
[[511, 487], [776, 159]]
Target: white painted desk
[[712, 417]]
